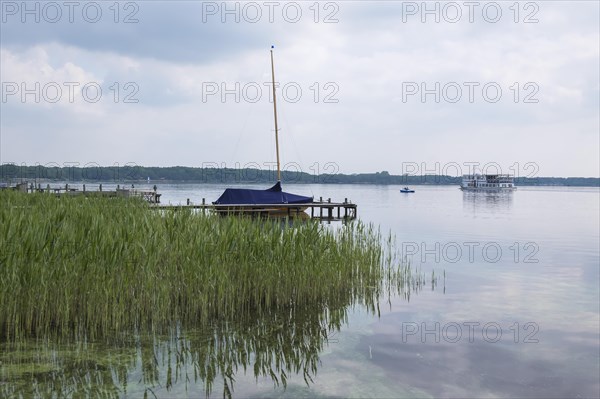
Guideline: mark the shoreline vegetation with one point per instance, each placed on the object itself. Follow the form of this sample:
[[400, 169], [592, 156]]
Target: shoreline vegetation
[[180, 174], [96, 292], [84, 268]]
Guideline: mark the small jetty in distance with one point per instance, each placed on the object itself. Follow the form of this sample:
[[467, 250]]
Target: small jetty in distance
[[151, 196]]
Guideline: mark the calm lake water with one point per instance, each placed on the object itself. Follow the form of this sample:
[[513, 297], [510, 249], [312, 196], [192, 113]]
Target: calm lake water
[[515, 312]]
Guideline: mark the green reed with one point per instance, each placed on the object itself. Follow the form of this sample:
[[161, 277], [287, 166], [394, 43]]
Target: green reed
[[86, 267]]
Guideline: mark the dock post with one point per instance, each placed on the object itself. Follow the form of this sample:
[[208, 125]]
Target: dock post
[[320, 199], [118, 187], [345, 200], [338, 209], [312, 211], [48, 188], [66, 187], [329, 200], [330, 213], [321, 212], [188, 201], [84, 188], [100, 187], [203, 206]]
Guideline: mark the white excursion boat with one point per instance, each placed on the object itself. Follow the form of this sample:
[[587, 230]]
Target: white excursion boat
[[479, 182]]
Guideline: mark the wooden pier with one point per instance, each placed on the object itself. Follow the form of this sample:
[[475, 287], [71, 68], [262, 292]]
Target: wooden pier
[[321, 210], [151, 196]]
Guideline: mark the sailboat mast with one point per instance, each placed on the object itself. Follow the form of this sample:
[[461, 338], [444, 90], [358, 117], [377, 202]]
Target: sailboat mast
[[275, 114]]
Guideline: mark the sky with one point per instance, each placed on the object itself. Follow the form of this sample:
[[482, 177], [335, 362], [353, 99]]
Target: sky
[[361, 86]]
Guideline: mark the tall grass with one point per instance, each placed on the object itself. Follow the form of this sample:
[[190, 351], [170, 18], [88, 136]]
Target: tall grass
[[84, 267]]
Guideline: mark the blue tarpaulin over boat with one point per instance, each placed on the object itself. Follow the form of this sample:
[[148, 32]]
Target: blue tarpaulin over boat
[[273, 195]]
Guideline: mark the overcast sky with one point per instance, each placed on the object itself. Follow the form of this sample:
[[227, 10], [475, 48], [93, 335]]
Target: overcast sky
[[363, 86]]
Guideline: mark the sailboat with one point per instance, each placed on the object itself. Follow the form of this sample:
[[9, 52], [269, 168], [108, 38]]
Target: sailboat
[[239, 200]]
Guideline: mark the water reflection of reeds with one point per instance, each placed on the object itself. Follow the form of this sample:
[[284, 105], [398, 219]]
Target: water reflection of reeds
[[276, 345]]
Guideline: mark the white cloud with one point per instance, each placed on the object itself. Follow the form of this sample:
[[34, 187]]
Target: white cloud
[[369, 57]]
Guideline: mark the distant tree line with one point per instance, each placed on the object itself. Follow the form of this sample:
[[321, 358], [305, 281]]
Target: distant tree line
[[13, 173]]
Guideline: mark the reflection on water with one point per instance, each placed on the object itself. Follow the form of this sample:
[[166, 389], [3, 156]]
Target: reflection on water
[[274, 344], [487, 201]]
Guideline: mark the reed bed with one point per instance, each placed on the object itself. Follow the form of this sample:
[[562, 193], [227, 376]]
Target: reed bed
[[86, 267]]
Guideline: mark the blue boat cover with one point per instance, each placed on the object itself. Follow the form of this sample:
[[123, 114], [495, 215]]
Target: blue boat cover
[[273, 195]]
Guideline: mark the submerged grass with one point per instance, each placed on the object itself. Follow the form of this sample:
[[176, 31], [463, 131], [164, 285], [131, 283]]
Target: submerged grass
[[83, 267]]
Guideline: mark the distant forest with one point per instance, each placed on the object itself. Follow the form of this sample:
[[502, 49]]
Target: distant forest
[[12, 173]]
